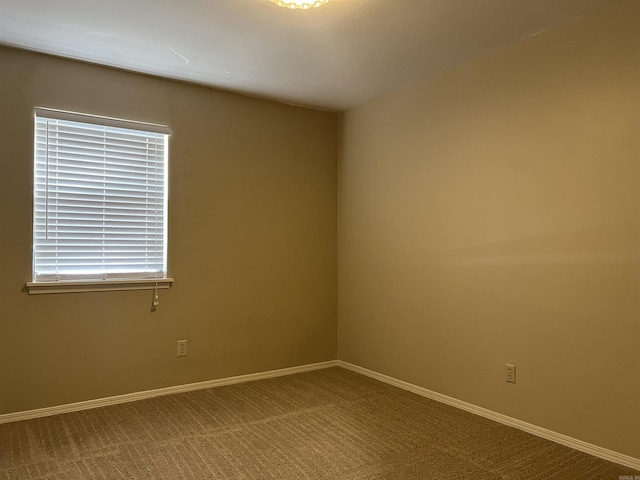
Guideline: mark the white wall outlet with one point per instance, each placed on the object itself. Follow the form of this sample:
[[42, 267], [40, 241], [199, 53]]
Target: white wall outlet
[[510, 373], [182, 348]]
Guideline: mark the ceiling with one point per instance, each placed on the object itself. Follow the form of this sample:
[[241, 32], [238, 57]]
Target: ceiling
[[334, 57]]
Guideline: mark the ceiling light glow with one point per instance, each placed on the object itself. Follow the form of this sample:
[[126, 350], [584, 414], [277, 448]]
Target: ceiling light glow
[[303, 4]]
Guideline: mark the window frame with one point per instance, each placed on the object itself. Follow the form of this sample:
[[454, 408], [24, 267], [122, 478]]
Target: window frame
[[128, 281]]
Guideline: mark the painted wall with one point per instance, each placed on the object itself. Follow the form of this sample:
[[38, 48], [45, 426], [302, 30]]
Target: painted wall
[[491, 215], [252, 242]]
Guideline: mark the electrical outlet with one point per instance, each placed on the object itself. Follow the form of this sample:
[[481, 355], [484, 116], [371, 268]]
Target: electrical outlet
[[182, 348], [510, 373]]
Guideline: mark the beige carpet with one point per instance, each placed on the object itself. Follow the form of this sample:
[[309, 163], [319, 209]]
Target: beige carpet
[[327, 424]]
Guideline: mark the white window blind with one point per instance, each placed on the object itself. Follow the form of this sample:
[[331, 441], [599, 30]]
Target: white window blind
[[100, 198]]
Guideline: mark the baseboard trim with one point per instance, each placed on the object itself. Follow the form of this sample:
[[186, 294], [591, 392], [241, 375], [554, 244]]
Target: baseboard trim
[[570, 442], [132, 397], [565, 440]]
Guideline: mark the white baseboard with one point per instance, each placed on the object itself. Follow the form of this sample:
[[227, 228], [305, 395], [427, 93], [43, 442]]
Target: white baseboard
[[132, 397], [483, 412], [574, 443]]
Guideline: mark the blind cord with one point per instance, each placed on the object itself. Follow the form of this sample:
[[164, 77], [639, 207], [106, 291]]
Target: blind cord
[[46, 189], [156, 301]]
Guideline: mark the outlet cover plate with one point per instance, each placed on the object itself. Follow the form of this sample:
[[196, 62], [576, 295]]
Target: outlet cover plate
[[510, 373]]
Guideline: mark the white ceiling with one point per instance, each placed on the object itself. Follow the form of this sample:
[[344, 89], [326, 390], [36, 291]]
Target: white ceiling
[[334, 57]]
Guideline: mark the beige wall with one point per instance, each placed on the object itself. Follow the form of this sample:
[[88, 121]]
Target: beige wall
[[252, 242], [492, 215]]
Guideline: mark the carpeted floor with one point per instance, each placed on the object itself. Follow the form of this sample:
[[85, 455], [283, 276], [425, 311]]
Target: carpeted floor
[[326, 424]]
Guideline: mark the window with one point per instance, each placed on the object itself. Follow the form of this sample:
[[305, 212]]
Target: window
[[100, 204]]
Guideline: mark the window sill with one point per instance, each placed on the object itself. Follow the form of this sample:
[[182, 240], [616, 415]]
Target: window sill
[[39, 288]]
